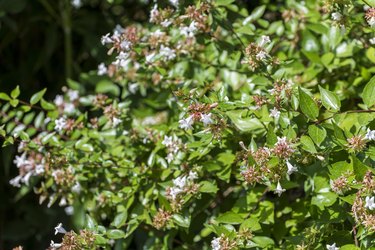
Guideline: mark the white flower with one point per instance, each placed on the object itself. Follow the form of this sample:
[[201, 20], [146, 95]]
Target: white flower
[[215, 243], [370, 135], [153, 13], [264, 40], [149, 57], [167, 53], [291, 168], [106, 39], [192, 176], [59, 100], [370, 204], [55, 245], [126, 45], [371, 21], [169, 157], [332, 247], [133, 87], [175, 3], [69, 210], [73, 95], [174, 191], [168, 141], [26, 178], [275, 113], [166, 23], [69, 108], [206, 119], [15, 182], [60, 124], [118, 29], [186, 123], [279, 190], [189, 31], [77, 188], [262, 55], [102, 69], [336, 16], [63, 202], [180, 182], [116, 121], [21, 160], [76, 3], [39, 169], [372, 40], [59, 229]]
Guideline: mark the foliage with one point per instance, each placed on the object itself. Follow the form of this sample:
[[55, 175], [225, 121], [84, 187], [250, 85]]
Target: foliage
[[213, 127]]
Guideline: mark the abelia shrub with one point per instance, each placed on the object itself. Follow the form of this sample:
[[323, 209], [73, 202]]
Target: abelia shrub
[[212, 127]]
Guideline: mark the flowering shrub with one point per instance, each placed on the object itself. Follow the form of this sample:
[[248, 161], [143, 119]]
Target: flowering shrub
[[212, 127]]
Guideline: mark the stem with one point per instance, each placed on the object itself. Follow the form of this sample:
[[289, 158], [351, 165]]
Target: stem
[[66, 17]]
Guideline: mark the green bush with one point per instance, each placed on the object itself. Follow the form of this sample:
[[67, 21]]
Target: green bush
[[213, 127]]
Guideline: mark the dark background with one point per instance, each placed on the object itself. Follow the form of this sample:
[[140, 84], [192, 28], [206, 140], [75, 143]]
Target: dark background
[[36, 51]]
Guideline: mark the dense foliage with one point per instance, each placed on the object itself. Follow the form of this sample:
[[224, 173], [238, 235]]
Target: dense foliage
[[212, 127]]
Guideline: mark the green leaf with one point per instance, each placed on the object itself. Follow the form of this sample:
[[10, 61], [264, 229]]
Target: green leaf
[[181, 221], [115, 234], [230, 218], [120, 219], [257, 13], [247, 124], [37, 96], [4, 96], [208, 187], [317, 134], [308, 105], [14, 102], [368, 94], [223, 2], [329, 99], [15, 92], [308, 144], [46, 105]]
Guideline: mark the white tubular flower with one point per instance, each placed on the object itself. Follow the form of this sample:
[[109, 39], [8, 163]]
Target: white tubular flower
[[166, 23], [175, 3], [180, 182], [55, 245], [76, 3], [59, 100], [116, 121], [370, 204], [16, 181], [169, 157], [73, 95], [336, 16], [174, 191], [167, 53], [372, 41], [59, 229], [168, 141], [192, 176], [106, 39], [264, 40], [291, 168], [215, 243], [69, 210], [186, 123], [279, 190], [370, 135], [150, 57], [262, 55], [69, 108], [63, 202], [206, 119], [60, 124], [153, 13], [189, 31], [102, 69], [125, 45], [77, 188], [275, 113], [371, 21], [21, 160], [332, 247]]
